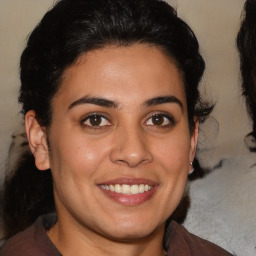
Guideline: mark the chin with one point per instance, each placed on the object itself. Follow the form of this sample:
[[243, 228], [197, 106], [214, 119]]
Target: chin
[[130, 230], [128, 236]]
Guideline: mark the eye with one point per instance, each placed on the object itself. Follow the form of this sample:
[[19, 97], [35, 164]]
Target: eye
[[160, 120], [96, 121]]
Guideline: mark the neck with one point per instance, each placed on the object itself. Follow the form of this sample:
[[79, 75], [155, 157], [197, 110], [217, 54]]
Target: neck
[[74, 241]]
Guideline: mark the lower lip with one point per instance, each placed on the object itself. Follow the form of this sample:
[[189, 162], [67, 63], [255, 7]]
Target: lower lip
[[130, 200]]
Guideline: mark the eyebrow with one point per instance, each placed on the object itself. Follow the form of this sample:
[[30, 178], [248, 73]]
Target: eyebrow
[[112, 104], [94, 100], [162, 100]]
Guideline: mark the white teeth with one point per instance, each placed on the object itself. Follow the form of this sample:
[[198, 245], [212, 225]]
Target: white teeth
[[128, 189], [118, 188], [134, 189], [141, 188]]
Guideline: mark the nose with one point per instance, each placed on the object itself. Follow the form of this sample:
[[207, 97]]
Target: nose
[[131, 148]]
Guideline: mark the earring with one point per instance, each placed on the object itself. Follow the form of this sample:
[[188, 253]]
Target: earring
[[192, 170]]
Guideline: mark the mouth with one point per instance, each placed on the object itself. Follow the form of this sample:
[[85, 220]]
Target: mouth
[[126, 189], [129, 192]]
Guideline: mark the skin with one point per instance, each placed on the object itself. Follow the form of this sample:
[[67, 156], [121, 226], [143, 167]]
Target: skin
[[128, 142]]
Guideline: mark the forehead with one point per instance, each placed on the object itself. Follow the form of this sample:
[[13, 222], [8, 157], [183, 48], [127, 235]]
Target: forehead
[[137, 71]]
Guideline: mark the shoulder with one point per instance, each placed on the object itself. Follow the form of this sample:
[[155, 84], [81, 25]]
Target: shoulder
[[181, 242], [20, 244], [31, 241]]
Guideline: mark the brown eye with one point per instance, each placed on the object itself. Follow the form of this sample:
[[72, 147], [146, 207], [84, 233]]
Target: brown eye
[[161, 120], [157, 119], [96, 121]]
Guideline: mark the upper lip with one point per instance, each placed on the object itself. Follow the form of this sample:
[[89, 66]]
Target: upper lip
[[129, 181]]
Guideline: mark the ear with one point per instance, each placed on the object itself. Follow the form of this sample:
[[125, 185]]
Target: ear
[[37, 141], [193, 141]]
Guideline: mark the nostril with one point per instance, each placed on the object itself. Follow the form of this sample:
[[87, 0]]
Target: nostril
[[131, 159], [131, 163]]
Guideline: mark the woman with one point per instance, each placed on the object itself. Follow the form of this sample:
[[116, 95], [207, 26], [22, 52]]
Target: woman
[[110, 94]]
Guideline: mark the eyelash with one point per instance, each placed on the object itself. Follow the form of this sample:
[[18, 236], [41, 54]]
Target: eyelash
[[166, 118], [93, 115]]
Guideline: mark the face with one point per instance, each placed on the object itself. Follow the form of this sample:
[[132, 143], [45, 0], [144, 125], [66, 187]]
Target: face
[[120, 144]]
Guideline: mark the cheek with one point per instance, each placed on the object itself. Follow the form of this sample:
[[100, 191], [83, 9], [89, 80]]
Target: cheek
[[78, 155], [75, 164], [173, 152]]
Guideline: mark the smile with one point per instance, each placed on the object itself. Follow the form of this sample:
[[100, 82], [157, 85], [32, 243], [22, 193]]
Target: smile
[[127, 189]]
